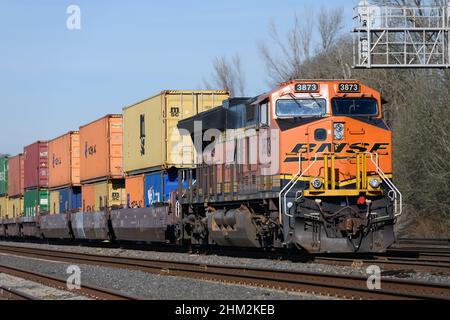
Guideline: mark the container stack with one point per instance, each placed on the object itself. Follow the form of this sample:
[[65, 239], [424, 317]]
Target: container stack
[[15, 186], [3, 187], [154, 149], [37, 195], [64, 173], [101, 171]]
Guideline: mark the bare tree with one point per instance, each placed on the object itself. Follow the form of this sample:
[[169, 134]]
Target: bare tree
[[229, 75], [417, 112], [306, 34], [330, 24], [292, 50]]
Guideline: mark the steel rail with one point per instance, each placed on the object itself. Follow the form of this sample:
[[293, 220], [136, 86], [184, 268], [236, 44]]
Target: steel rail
[[14, 294], [390, 263], [342, 286]]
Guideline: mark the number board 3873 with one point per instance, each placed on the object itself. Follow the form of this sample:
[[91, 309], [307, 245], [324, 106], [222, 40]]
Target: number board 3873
[[307, 87], [349, 88]]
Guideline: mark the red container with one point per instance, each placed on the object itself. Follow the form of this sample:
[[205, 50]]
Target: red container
[[36, 165], [15, 176]]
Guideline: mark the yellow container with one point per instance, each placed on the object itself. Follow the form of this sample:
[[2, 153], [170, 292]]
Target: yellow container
[[109, 194], [151, 139], [54, 202], [3, 207], [15, 207]]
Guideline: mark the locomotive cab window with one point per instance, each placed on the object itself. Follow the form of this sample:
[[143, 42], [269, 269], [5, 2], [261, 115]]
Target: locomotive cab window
[[264, 120], [297, 108], [357, 107]]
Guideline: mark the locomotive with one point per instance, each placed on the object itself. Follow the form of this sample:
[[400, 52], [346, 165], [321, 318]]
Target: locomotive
[[306, 166]]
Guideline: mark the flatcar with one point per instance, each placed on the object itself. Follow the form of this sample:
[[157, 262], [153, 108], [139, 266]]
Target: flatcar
[[306, 166]]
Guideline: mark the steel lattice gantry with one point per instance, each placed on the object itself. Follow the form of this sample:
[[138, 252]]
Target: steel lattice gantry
[[401, 37]]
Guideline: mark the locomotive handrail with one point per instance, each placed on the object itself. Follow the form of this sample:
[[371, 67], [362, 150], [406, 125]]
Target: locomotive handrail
[[374, 157], [291, 185], [398, 207]]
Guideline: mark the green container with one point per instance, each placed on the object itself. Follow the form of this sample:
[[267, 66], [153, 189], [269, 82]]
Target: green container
[[3, 176], [35, 201]]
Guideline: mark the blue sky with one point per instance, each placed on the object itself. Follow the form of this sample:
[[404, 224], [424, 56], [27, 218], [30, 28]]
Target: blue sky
[[53, 80]]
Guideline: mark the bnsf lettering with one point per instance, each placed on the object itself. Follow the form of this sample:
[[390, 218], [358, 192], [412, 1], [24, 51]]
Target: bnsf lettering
[[336, 148]]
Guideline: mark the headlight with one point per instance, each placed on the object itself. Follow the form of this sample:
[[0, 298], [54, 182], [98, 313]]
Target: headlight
[[374, 183], [316, 183], [339, 129]]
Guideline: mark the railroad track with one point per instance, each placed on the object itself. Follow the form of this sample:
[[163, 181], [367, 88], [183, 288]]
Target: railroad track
[[61, 284], [393, 260], [417, 241], [332, 285], [429, 246], [13, 294]]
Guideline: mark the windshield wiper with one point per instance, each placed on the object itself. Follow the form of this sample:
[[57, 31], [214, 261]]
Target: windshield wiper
[[301, 106]]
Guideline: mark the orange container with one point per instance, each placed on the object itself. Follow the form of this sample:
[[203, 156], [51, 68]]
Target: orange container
[[88, 197], [101, 149], [134, 186], [16, 176], [64, 161]]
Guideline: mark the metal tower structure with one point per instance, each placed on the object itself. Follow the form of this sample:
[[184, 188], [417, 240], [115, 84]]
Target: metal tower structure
[[401, 37]]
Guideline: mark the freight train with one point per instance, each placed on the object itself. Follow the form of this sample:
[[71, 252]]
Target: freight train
[[306, 166]]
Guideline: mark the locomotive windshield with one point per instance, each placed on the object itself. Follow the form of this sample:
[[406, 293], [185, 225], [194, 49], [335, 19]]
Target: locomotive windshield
[[294, 108], [355, 107]]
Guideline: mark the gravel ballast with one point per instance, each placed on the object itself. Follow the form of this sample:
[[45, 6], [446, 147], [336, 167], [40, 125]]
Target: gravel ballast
[[243, 262], [150, 286]]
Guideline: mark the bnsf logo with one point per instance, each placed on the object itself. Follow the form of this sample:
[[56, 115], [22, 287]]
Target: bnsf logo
[[2, 176], [342, 148]]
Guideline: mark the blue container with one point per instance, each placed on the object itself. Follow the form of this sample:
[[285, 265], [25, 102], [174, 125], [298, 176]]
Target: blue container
[[158, 187], [69, 198]]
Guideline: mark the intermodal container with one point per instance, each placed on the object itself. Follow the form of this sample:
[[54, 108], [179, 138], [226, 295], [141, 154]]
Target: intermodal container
[[54, 202], [64, 158], [88, 198], [70, 199], [65, 200], [3, 176], [15, 207], [4, 207], [158, 187], [36, 201], [134, 186], [152, 140], [101, 149], [36, 165], [15, 176], [109, 194]]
